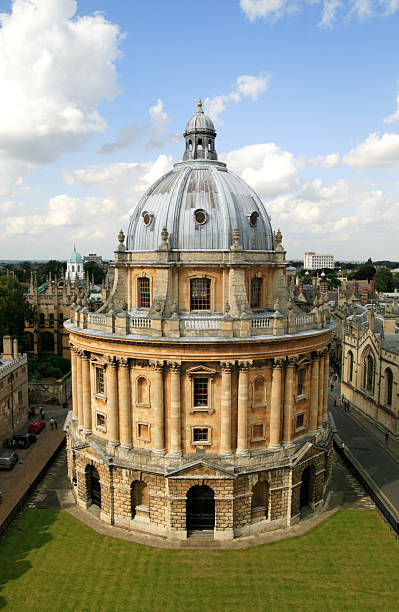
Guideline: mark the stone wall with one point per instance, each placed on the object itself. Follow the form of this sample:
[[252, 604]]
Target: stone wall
[[51, 392]]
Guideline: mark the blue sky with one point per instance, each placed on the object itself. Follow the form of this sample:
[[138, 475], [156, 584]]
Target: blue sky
[[303, 95]]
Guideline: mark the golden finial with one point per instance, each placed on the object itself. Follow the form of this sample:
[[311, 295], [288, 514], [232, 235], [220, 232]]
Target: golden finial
[[199, 104]]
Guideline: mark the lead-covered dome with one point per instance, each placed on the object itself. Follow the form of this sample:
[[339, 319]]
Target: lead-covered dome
[[200, 202]]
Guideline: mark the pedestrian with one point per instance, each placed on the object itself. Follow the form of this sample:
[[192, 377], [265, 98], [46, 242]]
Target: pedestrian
[[348, 405], [52, 423], [41, 411], [386, 437], [55, 423], [43, 416], [335, 400], [342, 397]]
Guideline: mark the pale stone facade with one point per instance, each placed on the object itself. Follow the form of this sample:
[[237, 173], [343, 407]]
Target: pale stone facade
[[14, 405], [199, 388]]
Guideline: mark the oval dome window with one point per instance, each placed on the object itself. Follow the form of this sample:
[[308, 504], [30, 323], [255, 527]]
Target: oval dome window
[[200, 216], [253, 218], [147, 218]]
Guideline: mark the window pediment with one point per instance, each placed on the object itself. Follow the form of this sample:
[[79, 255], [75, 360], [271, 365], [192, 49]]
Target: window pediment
[[200, 371]]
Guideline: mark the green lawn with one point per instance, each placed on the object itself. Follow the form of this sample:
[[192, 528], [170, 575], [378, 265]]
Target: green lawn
[[50, 561]]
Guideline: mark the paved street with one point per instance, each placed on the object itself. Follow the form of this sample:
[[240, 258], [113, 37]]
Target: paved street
[[367, 444]]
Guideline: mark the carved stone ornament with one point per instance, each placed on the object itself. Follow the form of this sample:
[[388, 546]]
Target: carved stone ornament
[[244, 365], [124, 362], [292, 361], [226, 365], [278, 362], [174, 366], [157, 365]]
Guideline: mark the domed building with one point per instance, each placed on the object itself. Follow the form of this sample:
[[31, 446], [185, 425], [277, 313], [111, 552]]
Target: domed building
[[75, 269], [199, 387]]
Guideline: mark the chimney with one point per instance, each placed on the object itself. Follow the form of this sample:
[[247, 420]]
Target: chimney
[[7, 348], [15, 348]]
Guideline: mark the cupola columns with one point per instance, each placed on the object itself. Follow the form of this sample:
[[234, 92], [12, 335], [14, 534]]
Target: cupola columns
[[200, 137]]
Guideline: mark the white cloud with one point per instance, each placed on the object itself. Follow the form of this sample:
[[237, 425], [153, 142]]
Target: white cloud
[[329, 12], [246, 86], [267, 9], [321, 161], [376, 150], [395, 115], [265, 167], [56, 68]]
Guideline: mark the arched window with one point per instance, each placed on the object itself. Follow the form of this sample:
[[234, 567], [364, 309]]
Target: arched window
[[41, 319], [190, 145], [73, 268], [388, 386], [61, 319], [301, 382], [28, 342], [51, 319], [47, 342], [209, 145], [200, 294], [142, 391], [350, 366], [260, 500], [200, 144], [368, 373], [143, 292], [256, 292]]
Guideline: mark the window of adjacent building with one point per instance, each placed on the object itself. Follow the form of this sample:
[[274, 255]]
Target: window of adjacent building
[[368, 374], [144, 292], [350, 366], [299, 421], [19, 396], [200, 392], [200, 294], [388, 386], [256, 292], [143, 431], [41, 319], [258, 431], [51, 319], [61, 318], [100, 421], [100, 386], [300, 382]]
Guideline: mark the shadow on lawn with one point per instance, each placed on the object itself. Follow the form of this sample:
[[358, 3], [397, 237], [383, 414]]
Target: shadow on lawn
[[29, 531]]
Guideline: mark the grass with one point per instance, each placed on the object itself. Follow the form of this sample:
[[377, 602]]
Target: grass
[[51, 561]]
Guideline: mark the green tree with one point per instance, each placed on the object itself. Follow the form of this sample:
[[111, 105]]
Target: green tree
[[383, 280], [333, 280], [57, 268], [395, 281], [97, 271], [14, 310], [364, 272]]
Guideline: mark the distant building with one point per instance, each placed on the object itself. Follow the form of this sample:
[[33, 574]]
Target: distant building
[[75, 266], [313, 261], [14, 404], [93, 257]]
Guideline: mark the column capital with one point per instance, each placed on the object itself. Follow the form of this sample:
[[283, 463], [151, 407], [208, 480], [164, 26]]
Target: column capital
[[278, 362], [244, 365], [226, 366], [292, 361], [84, 356], [316, 355], [156, 364], [111, 360], [123, 362], [174, 366]]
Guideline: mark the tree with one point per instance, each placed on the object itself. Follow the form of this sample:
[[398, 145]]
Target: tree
[[383, 280], [14, 309], [97, 271], [333, 280], [395, 281], [364, 272], [57, 268]]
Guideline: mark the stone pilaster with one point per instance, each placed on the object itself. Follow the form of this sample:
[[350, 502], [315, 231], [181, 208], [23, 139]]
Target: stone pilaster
[[175, 410], [326, 376], [314, 391], [289, 400], [125, 404], [74, 383], [86, 394], [79, 388], [225, 422], [275, 409], [243, 403], [321, 392], [112, 401], [158, 447]]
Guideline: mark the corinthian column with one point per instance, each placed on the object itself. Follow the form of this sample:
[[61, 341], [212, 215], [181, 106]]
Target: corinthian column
[[74, 384], [321, 393], [326, 375], [175, 416], [86, 394], [275, 408], [314, 391], [243, 401], [112, 401], [289, 393], [79, 387], [225, 425], [159, 411], [125, 404]]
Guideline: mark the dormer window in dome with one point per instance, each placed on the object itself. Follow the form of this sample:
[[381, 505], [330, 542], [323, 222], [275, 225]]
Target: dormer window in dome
[[200, 216], [147, 218]]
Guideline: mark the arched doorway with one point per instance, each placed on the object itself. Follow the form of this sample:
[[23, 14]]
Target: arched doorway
[[200, 509], [306, 488], [93, 485]]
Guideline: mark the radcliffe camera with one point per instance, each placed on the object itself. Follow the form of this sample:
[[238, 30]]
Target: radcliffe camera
[[199, 318]]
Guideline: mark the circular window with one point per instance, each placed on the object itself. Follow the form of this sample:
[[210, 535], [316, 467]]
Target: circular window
[[200, 216], [253, 218], [147, 218]]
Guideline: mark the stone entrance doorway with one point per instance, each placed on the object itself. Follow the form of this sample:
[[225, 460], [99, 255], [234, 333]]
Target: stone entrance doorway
[[94, 485], [200, 510], [304, 496]]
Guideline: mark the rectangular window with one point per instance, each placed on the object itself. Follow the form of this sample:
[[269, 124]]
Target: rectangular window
[[256, 292], [200, 392], [258, 431], [143, 431], [100, 388], [300, 421], [100, 421], [144, 296], [301, 381], [20, 396], [201, 434], [200, 294]]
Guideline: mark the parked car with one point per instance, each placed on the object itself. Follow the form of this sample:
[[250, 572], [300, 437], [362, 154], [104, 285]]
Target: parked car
[[31, 437], [36, 427], [21, 442], [7, 460]]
